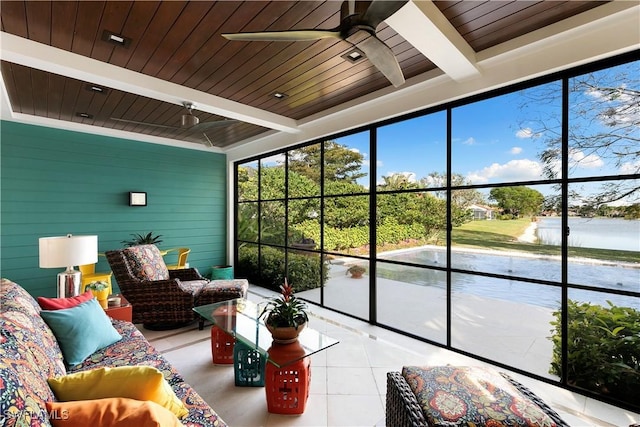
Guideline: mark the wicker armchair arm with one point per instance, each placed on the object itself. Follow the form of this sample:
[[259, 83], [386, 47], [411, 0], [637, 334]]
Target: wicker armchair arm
[[402, 406], [158, 292], [186, 274]]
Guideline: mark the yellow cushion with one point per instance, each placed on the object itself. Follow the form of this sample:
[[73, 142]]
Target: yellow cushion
[[112, 412], [134, 382]]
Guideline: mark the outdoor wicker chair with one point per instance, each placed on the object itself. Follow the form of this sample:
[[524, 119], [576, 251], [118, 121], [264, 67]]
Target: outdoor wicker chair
[[162, 298], [403, 409]]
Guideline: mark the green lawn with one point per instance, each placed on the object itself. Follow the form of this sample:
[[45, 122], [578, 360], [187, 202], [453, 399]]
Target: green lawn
[[503, 235]]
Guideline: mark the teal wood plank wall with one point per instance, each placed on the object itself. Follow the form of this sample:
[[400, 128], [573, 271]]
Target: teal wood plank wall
[[55, 182]]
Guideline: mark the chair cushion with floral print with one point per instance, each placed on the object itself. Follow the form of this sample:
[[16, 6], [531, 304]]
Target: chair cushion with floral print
[[146, 262], [468, 395]]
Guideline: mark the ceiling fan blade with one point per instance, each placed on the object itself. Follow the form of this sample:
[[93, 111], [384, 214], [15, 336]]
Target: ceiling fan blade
[[219, 123], [284, 36], [380, 10], [207, 139], [143, 123], [383, 58]]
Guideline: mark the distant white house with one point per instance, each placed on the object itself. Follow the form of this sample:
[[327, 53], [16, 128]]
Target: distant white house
[[481, 212]]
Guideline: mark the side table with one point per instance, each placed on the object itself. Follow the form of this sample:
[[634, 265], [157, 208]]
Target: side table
[[124, 311]]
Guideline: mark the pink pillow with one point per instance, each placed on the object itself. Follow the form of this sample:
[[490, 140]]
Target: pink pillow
[[60, 303]]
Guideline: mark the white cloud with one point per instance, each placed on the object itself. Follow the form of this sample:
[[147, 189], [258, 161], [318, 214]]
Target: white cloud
[[469, 141], [516, 150], [588, 161], [273, 160], [630, 167], [524, 133], [514, 170]]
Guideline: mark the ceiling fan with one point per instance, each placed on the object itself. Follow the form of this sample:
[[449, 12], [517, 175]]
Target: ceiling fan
[[188, 121], [358, 23]]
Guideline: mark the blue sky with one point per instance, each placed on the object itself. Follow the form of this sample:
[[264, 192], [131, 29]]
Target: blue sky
[[499, 140], [493, 141]]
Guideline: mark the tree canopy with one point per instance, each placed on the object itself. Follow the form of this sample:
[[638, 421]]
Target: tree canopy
[[517, 201]]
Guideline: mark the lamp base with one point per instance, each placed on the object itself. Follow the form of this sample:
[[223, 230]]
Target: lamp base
[[69, 283]]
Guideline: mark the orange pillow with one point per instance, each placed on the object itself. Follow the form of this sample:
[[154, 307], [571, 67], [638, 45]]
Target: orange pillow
[[112, 412], [61, 303]]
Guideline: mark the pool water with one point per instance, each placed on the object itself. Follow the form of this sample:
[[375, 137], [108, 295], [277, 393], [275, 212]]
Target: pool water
[[608, 276]]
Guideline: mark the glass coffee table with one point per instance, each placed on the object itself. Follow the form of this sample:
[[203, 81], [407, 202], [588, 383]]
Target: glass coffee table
[[239, 336]]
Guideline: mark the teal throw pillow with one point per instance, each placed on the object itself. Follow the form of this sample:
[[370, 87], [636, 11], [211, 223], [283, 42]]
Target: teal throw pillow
[[81, 330]]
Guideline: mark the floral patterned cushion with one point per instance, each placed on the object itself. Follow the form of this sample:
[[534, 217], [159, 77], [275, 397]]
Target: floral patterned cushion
[[146, 262], [466, 396], [29, 354]]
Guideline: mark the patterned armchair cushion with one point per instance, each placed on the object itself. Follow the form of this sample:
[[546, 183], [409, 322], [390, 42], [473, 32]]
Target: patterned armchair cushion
[[463, 396], [146, 262]]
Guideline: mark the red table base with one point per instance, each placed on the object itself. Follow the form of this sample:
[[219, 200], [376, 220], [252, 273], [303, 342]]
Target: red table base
[[287, 388], [221, 346]]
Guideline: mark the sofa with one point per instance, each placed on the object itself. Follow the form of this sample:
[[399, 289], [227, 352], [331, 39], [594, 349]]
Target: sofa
[[30, 356], [451, 396]]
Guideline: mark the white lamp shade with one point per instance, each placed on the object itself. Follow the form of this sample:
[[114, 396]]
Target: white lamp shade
[[67, 251]]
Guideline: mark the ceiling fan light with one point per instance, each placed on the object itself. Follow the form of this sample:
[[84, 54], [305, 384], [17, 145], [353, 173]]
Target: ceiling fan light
[[279, 95], [189, 120]]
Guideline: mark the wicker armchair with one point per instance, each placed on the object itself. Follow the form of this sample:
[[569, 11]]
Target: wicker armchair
[[403, 409]]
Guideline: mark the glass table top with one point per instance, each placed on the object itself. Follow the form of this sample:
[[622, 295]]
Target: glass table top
[[241, 319]]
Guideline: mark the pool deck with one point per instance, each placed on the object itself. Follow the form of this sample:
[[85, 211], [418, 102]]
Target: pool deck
[[504, 331]]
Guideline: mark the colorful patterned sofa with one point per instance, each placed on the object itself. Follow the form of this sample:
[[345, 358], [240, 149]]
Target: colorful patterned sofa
[[30, 354], [452, 396]]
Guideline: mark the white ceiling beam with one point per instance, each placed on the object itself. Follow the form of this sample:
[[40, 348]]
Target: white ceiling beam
[[422, 24], [43, 57]]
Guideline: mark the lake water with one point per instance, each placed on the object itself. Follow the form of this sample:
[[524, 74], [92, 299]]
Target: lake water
[[604, 233]]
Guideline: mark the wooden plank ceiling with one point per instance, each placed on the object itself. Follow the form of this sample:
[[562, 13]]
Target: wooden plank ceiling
[[180, 42]]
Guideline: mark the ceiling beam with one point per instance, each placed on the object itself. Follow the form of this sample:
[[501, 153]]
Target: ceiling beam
[[575, 41], [422, 24], [43, 57]]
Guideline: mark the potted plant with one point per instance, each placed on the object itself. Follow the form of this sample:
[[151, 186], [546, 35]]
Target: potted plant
[[139, 239], [306, 243], [285, 316], [356, 271], [100, 291]]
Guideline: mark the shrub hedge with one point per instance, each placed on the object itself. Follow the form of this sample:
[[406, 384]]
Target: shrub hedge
[[303, 272], [603, 349]]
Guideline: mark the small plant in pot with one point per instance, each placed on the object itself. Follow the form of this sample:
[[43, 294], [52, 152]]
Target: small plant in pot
[[356, 271], [285, 316], [100, 291], [139, 239]]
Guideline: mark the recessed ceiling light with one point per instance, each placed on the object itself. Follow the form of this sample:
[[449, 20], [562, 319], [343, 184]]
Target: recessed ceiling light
[[354, 55], [117, 39], [85, 115], [96, 89], [279, 95]]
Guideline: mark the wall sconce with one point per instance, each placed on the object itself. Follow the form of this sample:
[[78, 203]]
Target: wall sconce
[[137, 198], [68, 251]]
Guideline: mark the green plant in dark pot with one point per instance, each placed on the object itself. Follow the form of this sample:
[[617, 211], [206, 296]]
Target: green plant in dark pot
[[285, 316], [139, 239]]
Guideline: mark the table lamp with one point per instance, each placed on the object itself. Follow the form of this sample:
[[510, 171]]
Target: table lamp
[[68, 251]]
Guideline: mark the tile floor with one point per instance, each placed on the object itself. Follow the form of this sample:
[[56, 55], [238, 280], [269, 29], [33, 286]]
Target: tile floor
[[348, 382]]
